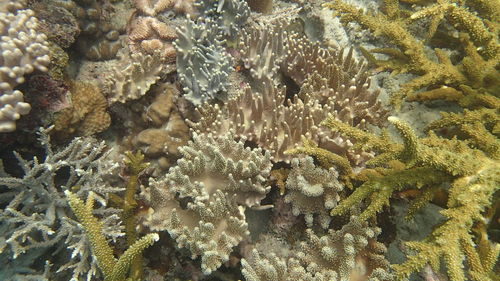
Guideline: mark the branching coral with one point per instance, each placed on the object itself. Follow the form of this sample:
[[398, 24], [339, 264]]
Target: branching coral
[[113, 270], [201, 201], [425, 164], [476, 68], [37, 215]]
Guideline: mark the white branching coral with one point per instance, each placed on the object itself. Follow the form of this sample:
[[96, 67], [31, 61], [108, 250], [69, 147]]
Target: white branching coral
[[201, 201], [37, 215], [351, 253], [312, 190], [22, 50]]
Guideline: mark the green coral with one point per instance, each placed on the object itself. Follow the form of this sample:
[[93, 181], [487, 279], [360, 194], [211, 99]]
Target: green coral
[[477, 66], [427, 163], [113, 269]]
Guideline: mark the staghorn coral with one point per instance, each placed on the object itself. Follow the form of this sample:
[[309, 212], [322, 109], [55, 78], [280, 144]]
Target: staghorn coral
[[351, 253], [477, 67], [87, 114], [23, 50], [426, 164], [201, 201], [312, 190], [36, 215], [113, 270]]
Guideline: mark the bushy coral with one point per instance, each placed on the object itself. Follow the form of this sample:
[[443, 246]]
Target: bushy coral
[[426, 164], [37, 215]]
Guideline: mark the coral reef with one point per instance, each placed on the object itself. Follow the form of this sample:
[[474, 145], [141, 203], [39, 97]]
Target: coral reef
[[262, 146], [23, 50], [37, 216], [201, 201]]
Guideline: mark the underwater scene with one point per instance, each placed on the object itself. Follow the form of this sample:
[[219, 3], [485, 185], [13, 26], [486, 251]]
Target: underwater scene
[[249, 140]]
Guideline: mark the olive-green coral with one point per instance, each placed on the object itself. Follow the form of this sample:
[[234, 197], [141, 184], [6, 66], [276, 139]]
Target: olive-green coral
[[479, 47], [113, 269], [427, 163]]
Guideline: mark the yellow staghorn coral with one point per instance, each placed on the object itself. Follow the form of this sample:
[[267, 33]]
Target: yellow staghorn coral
[[113, 269], [426, 164], [477, 66]]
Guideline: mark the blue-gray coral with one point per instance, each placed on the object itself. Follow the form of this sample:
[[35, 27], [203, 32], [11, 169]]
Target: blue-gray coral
[[229, 15], [202, 64], [36, 215]]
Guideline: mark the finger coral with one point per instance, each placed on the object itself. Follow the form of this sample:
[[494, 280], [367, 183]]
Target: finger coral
[[23, 50]]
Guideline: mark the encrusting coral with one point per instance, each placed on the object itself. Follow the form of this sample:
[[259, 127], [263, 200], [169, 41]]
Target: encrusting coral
[[426, 164], [87, 114], [201, 201]]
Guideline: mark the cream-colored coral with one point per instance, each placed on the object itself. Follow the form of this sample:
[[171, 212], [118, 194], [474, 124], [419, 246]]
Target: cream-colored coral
[[201, 201], [312, 190], [133, 76], [22, 50], [351, 253], [149, 35]]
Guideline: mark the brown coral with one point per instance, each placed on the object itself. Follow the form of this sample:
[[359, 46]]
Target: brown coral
[[148, 35], [87, 115]]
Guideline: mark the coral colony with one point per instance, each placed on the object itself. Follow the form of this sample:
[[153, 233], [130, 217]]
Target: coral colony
[[254, 140]]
